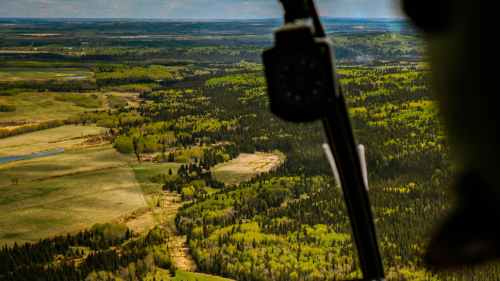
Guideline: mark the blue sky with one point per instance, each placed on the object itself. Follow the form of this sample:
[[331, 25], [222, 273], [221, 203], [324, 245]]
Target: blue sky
[[189, 9]]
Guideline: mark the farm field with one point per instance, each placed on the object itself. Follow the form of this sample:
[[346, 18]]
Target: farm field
[[62, 163], [16, 74], [244, 167], [44, 140], [61, 205], [37, 106]]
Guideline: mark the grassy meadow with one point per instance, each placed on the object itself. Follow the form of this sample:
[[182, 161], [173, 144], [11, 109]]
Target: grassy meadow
[[37, 106], [45, 140], [61, 163], [16, 74], [61, 205]]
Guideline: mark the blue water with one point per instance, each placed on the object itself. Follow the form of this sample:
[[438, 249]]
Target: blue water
[[12, 158], [75, 77]]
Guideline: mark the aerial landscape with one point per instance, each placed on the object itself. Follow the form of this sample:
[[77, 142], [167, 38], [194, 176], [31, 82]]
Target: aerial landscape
[[146, 150]]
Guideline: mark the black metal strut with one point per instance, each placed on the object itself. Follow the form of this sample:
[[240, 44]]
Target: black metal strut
[[342, 143]]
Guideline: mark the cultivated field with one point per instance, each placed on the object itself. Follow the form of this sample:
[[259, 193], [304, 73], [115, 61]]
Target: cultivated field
[[16, 74], [37, 106], [243, 167], [45, 140], [61, 163], [57, 206]]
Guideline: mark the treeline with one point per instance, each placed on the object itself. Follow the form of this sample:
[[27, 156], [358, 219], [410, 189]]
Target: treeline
[[88, 101], [131, 262], [99, 237], [104, 119], [51, 85], [239, 202], [383, 45], [7, 107], [113, 82], [191, 177], [32, 128]]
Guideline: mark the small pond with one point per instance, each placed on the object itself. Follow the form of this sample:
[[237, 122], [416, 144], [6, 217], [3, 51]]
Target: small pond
[[75, 77]]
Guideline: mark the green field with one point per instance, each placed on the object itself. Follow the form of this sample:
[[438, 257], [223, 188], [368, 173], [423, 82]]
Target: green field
[[61, 163], [37, 106], [144, 172], [44, 140], [61, 205], [16, 74], [238, 78]]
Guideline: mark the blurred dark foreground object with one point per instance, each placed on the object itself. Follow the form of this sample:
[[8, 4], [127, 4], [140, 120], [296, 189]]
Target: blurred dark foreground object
[[463, 51], [469, 236]]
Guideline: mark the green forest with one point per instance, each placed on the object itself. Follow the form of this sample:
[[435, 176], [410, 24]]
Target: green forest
[[184, 108]]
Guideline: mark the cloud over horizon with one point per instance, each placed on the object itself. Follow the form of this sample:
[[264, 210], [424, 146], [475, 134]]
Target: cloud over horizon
[[189, 9]]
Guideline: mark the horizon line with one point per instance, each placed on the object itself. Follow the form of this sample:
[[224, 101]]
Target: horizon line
[[190, 19]]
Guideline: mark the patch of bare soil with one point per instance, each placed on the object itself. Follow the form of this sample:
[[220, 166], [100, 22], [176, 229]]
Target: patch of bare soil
[[245, 166], [166, 205], [164, 208], [223, 143], [140, 220], [148, 157], [93, 141], [181, 255], [11, 125]]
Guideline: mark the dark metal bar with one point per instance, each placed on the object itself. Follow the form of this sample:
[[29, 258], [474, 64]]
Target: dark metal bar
[[342, 143], [318, 27]]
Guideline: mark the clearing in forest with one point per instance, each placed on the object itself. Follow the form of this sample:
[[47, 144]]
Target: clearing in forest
[[245, 166], [122, 98], [180, 254], [57, 206], [46, 140]]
